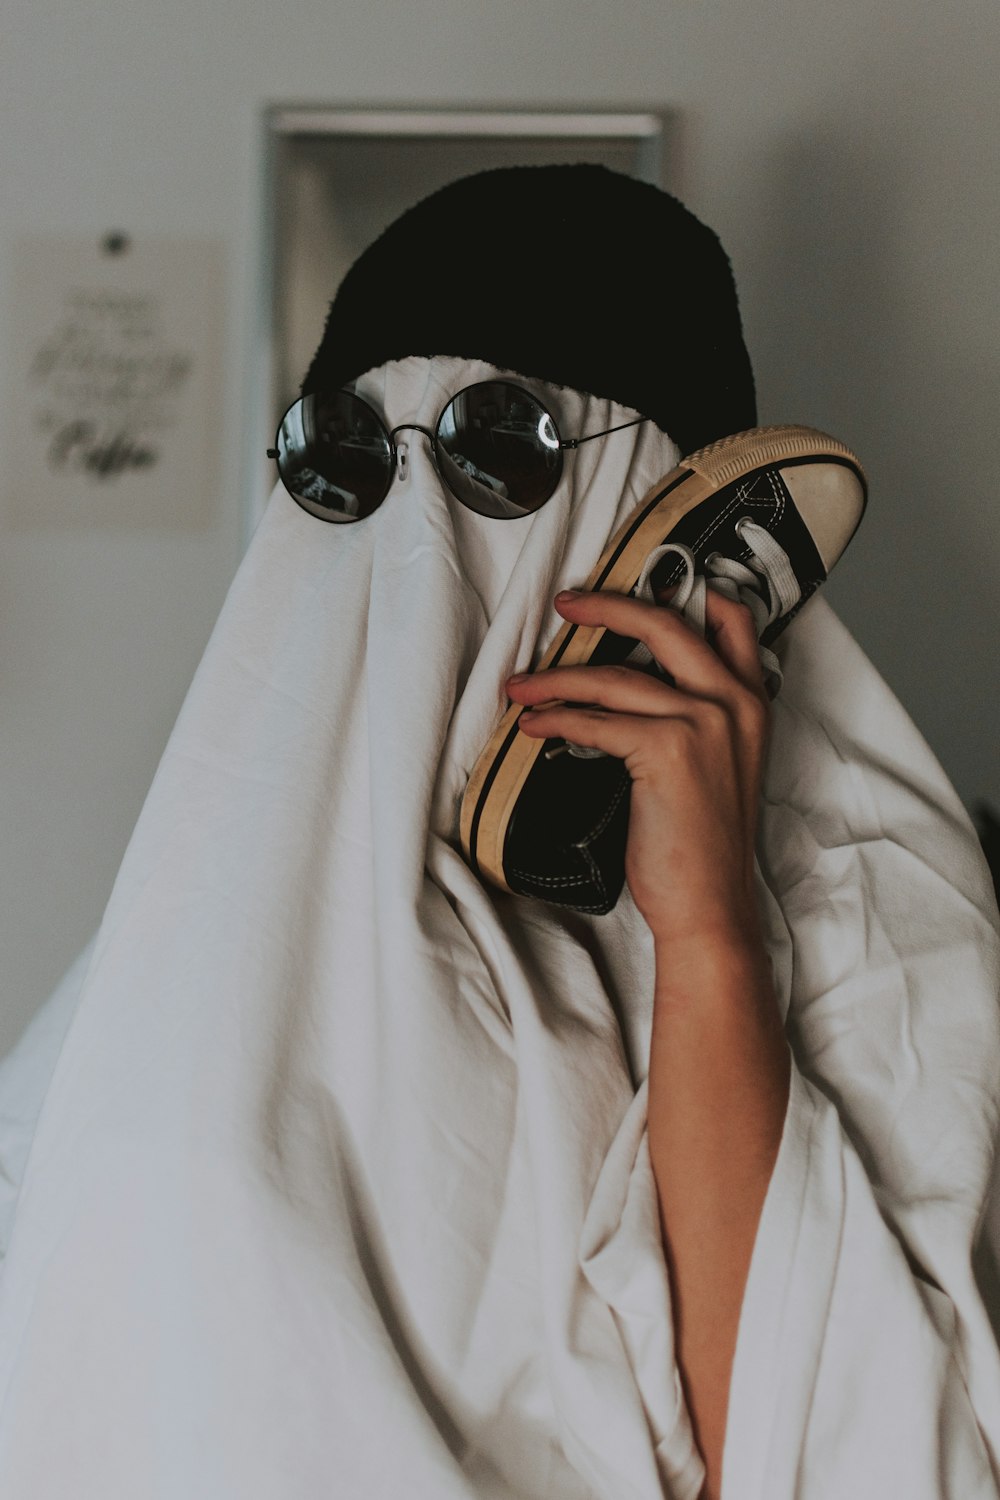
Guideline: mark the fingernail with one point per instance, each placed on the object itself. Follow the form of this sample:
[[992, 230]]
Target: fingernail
[[568, 594], [519, 677]]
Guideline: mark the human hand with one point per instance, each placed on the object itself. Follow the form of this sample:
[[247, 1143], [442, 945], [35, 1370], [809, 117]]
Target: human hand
[[694, 751]]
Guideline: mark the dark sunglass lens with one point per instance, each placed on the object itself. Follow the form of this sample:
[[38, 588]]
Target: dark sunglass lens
[[498, 449], [334, 456]]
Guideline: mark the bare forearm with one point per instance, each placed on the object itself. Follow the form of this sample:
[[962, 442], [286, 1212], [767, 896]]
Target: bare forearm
[[719, 1069], [719, 1074]]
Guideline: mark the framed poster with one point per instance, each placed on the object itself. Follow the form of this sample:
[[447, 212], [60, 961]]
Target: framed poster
[[114, 391]]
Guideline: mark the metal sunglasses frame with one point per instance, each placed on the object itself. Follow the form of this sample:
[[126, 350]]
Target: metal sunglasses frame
[[562, 444]]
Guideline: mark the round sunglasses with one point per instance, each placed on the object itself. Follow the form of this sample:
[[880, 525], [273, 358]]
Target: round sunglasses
[[496, 447]]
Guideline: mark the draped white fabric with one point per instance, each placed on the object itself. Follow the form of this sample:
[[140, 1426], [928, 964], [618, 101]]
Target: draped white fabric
[[341, 1183]]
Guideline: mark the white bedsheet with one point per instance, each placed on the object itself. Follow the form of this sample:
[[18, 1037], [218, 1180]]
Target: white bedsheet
[[341, 1186]]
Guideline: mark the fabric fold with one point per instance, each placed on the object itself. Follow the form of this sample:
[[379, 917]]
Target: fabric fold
[[622, 1258], [862, 1263], [847, 1376]]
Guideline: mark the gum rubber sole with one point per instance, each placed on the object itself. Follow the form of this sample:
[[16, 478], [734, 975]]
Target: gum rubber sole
[[508, 756]]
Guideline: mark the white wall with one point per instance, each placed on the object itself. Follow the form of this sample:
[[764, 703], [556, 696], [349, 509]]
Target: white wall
[[847, 157]]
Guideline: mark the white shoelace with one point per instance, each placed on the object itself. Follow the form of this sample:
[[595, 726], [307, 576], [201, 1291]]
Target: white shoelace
[[769, 576]]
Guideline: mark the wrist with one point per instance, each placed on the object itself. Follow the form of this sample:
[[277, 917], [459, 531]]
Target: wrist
[[714, 959], [732, 933]]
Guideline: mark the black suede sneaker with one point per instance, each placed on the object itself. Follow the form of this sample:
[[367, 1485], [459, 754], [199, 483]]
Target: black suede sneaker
[[762, 515]]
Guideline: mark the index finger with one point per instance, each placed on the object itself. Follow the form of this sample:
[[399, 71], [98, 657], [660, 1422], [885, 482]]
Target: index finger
[[734, 637], [674, 643]]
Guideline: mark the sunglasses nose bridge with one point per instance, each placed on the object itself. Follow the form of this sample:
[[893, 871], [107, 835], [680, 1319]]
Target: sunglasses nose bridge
[[401, 451], [410, 427]]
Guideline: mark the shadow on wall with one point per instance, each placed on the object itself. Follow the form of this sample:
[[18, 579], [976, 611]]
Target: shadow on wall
[[986, 1250], [867, 324], [987, 821]]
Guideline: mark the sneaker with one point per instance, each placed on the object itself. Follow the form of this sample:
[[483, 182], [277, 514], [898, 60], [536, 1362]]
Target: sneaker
[[762, 516]]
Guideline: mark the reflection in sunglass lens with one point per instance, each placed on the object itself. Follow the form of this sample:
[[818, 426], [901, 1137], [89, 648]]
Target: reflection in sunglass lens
[[498, 449], [334, 456]]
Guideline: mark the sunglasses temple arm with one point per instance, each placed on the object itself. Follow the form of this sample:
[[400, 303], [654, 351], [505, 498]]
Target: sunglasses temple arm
[[575, 442]]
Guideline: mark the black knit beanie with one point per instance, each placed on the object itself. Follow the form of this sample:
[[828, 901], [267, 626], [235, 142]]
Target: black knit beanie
[[575, 275]]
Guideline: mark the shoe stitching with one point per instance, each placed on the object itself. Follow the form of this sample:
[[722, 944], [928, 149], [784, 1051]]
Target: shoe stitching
[[595, 875], [556, 881], [567, 880], [595, 872], [718, 520], [602, 823], [775, 507], [550, 880]]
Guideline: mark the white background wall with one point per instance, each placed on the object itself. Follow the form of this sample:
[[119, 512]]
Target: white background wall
[[845, 154]]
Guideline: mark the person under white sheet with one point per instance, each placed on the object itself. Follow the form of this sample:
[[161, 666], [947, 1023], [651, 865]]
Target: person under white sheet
[[355, 1175]]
